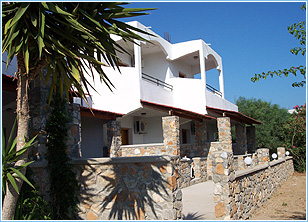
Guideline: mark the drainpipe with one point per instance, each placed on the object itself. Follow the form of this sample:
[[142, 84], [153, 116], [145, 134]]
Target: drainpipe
[[202, 72], [221, 83]]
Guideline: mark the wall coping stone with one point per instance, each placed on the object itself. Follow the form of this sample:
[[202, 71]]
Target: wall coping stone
[[142, 145], [114, 160], [275, 162], [244, 172], [237, 156], [199, 158]]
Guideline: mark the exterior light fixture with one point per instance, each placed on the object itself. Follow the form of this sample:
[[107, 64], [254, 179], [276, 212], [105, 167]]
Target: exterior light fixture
[[274, 156], [224, 155], [287, 153], [248, 160]]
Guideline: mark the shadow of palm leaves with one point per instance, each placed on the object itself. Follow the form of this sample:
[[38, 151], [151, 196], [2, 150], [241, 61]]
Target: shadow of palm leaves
[[129, 191], [132, 192], [193, 216]]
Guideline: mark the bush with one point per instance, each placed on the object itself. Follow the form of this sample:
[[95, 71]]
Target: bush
[[295, 137]]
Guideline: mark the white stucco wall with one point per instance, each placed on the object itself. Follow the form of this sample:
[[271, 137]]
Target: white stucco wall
[[125, 96], [128, 122], [154, 130], [215, 101], [156, 94], [155, 65], [187, 94]]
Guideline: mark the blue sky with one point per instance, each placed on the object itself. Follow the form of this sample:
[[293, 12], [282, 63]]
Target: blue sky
[[251, 37]]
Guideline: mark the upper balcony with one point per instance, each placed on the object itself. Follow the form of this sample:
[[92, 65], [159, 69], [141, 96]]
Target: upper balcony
[[164, 73]]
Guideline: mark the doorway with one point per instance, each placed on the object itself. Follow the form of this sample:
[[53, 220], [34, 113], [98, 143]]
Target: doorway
[[125, 136]]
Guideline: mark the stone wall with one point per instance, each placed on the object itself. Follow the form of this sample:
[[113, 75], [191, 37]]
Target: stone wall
[[40, 111], [135, 188], [237, 194], [251, 188], [114, 138], [185, 172], [171, 135], [143, 150], [199, 174], [239, 161], [194, 150], [200, 170]]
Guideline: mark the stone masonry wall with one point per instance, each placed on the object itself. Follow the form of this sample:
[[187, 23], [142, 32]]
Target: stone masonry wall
[[237, 194], [114, 138], [252, 188], [194, 150], [171, 135], [143, 150], [199, 165], [239, 161], [135, 188], [40, 112]]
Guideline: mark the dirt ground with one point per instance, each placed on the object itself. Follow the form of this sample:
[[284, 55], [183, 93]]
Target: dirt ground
[[288, 203]]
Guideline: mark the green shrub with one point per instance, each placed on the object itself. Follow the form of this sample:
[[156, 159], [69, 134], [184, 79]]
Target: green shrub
[[295, 137]]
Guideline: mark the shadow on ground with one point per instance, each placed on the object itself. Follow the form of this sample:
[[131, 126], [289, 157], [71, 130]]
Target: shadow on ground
[[193, 216]]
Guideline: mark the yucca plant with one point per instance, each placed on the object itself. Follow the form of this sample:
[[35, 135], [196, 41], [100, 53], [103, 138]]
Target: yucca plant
[[70, 40], [9, 157]]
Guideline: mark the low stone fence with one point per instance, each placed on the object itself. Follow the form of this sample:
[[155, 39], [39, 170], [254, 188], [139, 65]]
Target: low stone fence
[[192, 171], [237, 194], [125, 188], [239, 161], [153, 149], [193, 150]]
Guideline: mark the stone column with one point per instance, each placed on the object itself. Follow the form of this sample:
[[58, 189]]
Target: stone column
[[224, 132], [263, 156], [251, 139], [200, 137], [223, 176], [74, 131], [171, 134], [114, 138], [281, 152], [241, 141], [39, 113]]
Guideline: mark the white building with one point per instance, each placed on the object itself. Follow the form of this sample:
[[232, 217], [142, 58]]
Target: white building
[[156, 79]]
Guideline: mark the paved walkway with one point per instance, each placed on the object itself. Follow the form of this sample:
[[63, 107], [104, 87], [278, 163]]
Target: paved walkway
[[198, 202]]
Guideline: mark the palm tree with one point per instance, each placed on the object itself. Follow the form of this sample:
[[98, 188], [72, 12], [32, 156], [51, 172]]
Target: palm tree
[[67, 39]]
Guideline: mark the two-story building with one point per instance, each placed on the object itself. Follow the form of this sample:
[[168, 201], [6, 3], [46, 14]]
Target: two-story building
[[158, 79]]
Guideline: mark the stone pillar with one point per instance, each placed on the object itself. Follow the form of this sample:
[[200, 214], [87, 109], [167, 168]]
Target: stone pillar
[[39, 113], [241, 141], [224, 132], [114, 138], [263, 156], [171, 134], [281, 152], [200, 137], [251, 139], [74, 131], [223, 176]]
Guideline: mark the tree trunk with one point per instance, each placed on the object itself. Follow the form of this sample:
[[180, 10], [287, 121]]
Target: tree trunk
[[23, 120]]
